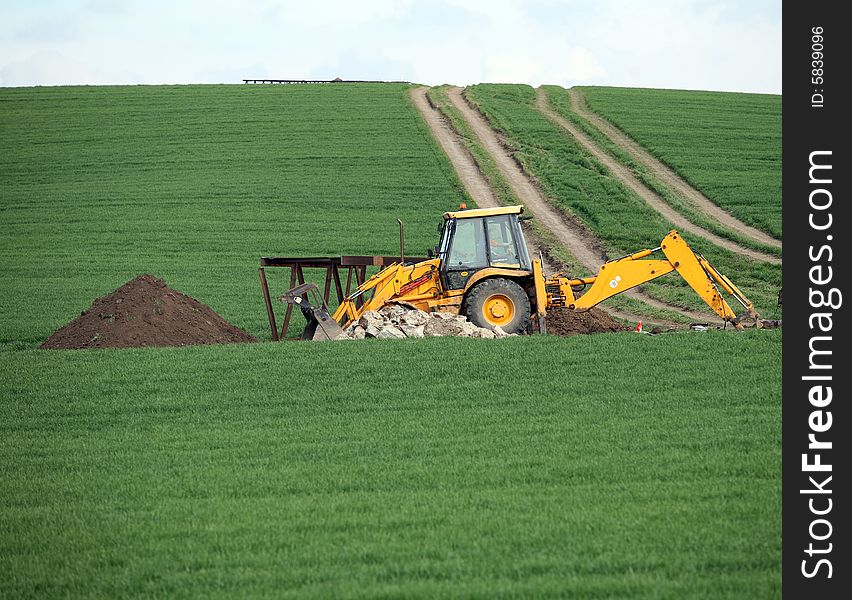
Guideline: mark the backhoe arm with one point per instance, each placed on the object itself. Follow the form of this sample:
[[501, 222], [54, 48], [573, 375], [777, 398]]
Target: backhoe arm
[[620, 275], [382, 282], [703, 277], [410, 283]]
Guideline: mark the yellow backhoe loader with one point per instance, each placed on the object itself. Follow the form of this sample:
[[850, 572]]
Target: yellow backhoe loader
[[481, 269]]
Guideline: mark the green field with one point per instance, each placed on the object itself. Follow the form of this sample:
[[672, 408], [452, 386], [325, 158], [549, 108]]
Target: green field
[[559, 101], [727, 145], [195, 183], [505, 195], [536, 467], [579, 185], [616, 465]]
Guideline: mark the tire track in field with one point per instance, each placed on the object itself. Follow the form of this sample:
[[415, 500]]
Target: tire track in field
[[465, 165], [626, 177], [664, 173], [573, 236], [482, 193], [468, 173]]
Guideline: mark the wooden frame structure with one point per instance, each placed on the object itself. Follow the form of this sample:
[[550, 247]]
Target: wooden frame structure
[[356, 268]]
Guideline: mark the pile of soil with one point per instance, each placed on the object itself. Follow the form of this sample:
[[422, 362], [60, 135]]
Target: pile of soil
[[145, 312], [571, 322]]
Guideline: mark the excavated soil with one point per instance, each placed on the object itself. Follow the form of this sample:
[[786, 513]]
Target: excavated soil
[[570, 322], [145, 312]]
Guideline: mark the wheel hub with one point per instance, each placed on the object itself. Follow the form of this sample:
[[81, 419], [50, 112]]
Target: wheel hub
[[498, 309]]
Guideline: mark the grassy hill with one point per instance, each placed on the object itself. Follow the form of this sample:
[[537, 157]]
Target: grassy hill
[[195, 183], [596, 466], [727, 145], [581, 186]]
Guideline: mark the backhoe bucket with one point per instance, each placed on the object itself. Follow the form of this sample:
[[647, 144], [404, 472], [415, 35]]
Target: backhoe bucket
[[320, 324], [748, 318]]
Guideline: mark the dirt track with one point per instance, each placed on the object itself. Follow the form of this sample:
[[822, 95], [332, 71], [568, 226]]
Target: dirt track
[[699, 201], [465, 166], [573, 236], [626, 176], [480, 190], [463, 163]]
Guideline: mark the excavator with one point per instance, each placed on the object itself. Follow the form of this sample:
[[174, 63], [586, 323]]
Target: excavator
[[481, 269]]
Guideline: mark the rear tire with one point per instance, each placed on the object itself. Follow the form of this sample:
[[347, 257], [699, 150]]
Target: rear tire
[[496, 302]]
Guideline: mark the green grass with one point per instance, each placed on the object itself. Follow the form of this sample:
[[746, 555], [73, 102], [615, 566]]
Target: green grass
[[579, 185], [537, 467], [487, 166], [504, 193], [727, 145], [558, 98], [530, 466], [195, 183]]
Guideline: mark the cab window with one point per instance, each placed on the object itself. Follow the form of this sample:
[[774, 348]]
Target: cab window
[[467, 250], [501, 242]]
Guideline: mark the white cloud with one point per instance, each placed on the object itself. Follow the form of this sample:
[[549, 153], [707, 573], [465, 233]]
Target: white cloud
[[667, 43], [110, 7], [581, 64], [691, 44], [50, 68]]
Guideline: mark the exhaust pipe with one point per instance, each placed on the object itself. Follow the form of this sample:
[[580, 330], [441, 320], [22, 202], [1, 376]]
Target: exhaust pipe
[[401, 242]]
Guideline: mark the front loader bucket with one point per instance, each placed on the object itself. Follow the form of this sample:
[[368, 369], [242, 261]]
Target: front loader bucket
[[320, 324]]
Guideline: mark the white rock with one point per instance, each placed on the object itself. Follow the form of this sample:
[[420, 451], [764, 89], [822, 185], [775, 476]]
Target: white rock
[[371, 318], [397, 322], [481, 332], [414, 318], [440, 327], [412, 331], [444, 316], [389, 332], [467, 329], [393, 312]]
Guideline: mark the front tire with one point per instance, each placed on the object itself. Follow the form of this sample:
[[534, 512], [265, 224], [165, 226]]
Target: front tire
[[498, 302]]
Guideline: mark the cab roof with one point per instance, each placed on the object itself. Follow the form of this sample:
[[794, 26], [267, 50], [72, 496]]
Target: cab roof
[[484, 212]]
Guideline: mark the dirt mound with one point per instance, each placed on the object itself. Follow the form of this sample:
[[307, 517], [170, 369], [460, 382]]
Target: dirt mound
[[145, 312], [570, 322]]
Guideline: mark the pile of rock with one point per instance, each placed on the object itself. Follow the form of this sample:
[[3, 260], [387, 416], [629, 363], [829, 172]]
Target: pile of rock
[[399, 322]]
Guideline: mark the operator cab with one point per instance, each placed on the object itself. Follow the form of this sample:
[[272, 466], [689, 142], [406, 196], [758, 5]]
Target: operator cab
[[472, 240]]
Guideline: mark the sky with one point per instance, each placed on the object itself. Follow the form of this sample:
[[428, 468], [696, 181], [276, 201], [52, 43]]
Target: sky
[[684, 44]]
